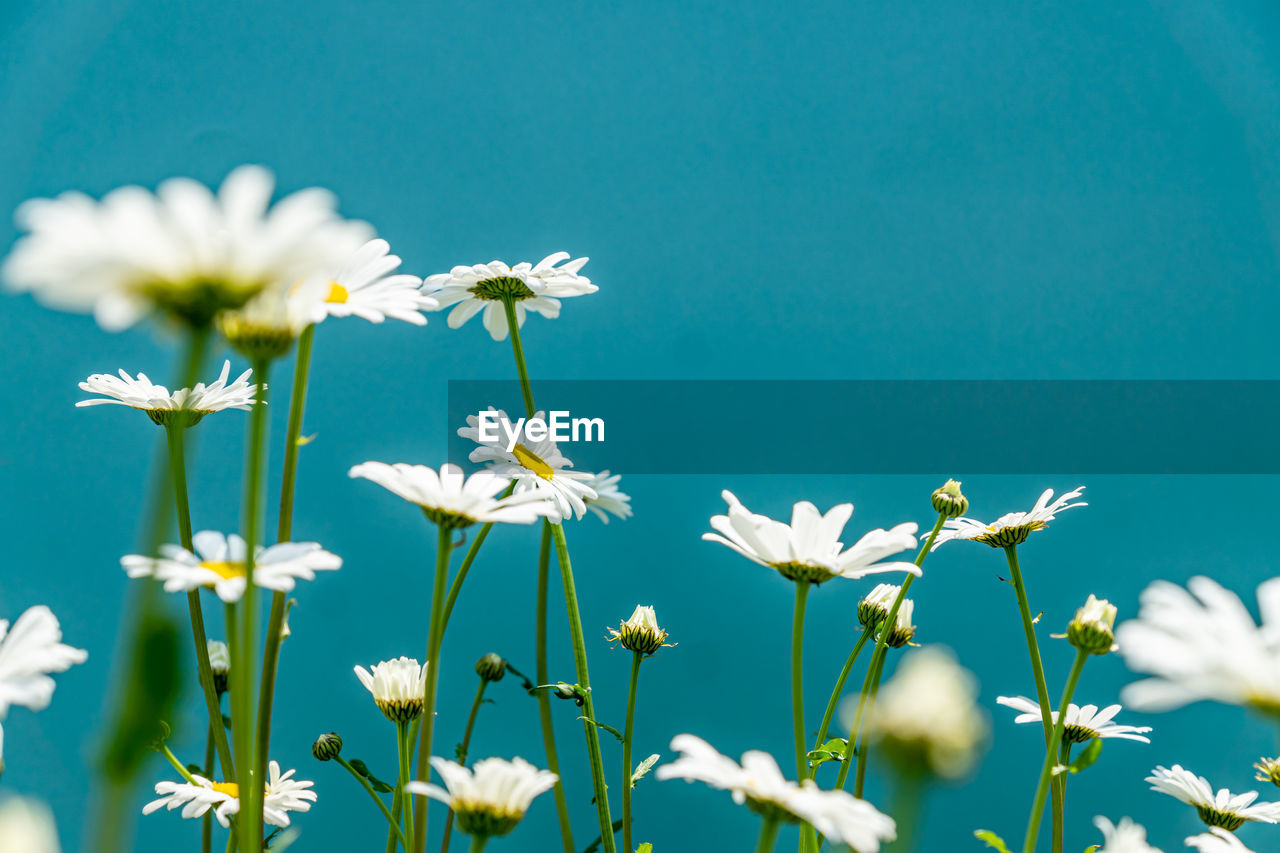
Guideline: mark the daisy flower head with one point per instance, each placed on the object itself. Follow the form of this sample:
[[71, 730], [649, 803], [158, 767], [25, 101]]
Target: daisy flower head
[[30, 650], [283, 795], [489, 799], [1224, 809], [641, 633], [1123, 837], [874, 609], [759, 784], [27, 826], [809, 548], [265, 327], [451, 499], [1268, 770], [531, 287], [1083, 724], [1093, 628], [397, 686], [368, 286], [185, 407], [218, 562], [1201, 642], [1012, 528], [1217, 840], [182, 251], [927, 715], [609, 498], [536, 467]]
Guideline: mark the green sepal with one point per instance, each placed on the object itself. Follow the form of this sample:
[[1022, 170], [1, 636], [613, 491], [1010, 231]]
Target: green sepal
[[643, 768]]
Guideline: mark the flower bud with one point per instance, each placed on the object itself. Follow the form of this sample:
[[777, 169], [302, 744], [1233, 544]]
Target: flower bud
[[1268, 770], [1093, 628], [948, 500], [902, 630], [491, 667], [327, 747], [640, 633], [220, 664], [873, 609]]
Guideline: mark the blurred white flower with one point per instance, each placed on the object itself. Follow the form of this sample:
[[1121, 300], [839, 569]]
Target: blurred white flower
[[759, 783], [368, 287], [161, 405], [537, 466], [490, 798], [282, 795], [927, 715], [1216, 840], [609, 498], [398, 687], [27, 826], [181, 250], [1124, 837], [30, 650], [219, 562], [266, 326], [809, 548], [1202, 643], [1224, 809], [1083, 723], [452, 499], [1012, 528], [534, 287]]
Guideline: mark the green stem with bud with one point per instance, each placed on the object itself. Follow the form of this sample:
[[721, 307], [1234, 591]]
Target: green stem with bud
[[571, 606], [768, 835], [544, 699], [382, 807], [462, 754], [1051, 752], [636, 658]]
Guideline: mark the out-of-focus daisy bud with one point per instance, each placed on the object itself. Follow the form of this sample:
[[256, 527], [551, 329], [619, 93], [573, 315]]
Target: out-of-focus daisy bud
[[327, 747], [491, 667], [640, 633], [1093, 628], [873, 609], [948, 500], [901, 632], [1268, 770], [220, 664]]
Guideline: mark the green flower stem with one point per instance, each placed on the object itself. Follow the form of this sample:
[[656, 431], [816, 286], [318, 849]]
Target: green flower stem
[[174, 436], [839, 688], [243, 653], [382, 807], [907, 799], [797, 680], [177, 765], [768, 836], [477, 843], [405, 745], [575, 617], [1060, 789], [206, 828], [399, 797], [873, 677], [462, 755], [544, 699], [435, 640], [284, 533], [134, 707], [1051, 752], [1037, 671], [455, 586], [636, 658]]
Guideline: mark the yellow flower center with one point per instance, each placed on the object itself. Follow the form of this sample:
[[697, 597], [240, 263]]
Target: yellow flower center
[[533, 462], [337, 293], [224, 569], [231, 789]]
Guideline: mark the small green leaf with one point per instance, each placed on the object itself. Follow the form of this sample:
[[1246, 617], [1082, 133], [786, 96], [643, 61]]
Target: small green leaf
[[595, 845], [304, 440], [1092, 848], [645, 848], [1086, 757], [610, 729], [991, 839], [363, 769], [643, 768], [832, 750]]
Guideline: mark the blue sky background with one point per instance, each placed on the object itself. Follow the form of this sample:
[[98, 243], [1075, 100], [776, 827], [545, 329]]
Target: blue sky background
[[815, 190]]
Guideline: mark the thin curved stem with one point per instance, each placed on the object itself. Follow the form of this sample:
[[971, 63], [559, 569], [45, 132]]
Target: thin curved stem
[[462, 755], [873, 677], [382, 807], [829, 714], [797, 680], [455, 585], [636, 658], [1051, 752], [544, 700], [435, 637]]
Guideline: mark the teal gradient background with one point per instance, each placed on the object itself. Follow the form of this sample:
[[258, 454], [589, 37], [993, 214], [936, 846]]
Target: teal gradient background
[[819, 190]]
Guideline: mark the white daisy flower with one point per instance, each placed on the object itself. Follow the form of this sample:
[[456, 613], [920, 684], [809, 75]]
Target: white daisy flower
[[219, 562], [927, 715], [1124, 837], [809, 548], [398, 687], [29, 651], [163, 407], [490, 798], [537, 467], [538, 288], [609, 498], [283, 795], [27, 826], [1202, 643], [368, 287], [759, 783], [452, 499], [267, 325], [1216, 840], [1083, 723], [1224, 809], [181, 250], [1012, 528]]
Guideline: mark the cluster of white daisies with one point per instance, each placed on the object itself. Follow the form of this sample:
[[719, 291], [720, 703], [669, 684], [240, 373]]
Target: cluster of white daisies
[[265, 273]]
